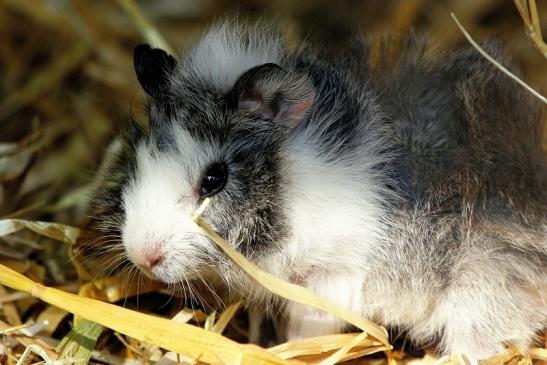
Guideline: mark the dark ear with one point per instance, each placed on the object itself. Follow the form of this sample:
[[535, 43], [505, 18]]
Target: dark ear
[[270, 92], [153, 67]]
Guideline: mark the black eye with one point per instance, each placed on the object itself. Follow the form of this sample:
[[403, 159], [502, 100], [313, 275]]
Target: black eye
[[214, 179]]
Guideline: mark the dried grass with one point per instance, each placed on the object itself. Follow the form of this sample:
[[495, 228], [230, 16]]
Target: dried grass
[[67, 83], [496, 63], [528, 10]]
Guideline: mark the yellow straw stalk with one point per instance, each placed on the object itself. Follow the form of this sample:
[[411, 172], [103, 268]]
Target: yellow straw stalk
[[207, 346]]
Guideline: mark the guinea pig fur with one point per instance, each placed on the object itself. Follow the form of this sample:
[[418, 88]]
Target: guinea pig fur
[[414, 194]]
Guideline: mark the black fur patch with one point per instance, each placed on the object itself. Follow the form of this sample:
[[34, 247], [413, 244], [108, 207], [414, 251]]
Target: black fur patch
[[153, 66]]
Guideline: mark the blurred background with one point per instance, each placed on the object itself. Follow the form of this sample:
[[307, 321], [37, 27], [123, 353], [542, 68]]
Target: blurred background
[[67, 85]]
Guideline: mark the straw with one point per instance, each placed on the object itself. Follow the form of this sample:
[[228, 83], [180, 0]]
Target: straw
[[529, 13], [193, 341], [496, 63]]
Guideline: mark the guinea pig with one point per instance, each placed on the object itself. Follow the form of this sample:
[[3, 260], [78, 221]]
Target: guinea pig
[[414, 193]]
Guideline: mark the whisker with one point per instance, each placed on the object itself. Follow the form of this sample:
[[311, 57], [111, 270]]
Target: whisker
[[217, 298], [128, 278]]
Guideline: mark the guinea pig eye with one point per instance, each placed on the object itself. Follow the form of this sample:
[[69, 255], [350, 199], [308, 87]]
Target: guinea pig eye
[[214, 179]]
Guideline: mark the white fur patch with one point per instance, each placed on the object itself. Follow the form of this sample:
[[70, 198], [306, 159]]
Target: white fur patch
[[158, 204], [344, 288], [331, 205], [335, 209], [228, 50]]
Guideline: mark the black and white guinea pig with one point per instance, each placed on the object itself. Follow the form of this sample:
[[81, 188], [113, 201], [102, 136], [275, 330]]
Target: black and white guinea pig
[[415, 195]]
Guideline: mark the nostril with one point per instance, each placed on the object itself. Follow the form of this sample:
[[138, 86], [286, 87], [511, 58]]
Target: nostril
[[153, 260]]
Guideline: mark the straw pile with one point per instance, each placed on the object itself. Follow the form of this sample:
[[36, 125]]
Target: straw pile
[[67, 86]]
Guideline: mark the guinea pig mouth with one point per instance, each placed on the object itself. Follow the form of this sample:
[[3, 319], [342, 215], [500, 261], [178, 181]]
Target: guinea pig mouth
[[163, 273], [148, 273]]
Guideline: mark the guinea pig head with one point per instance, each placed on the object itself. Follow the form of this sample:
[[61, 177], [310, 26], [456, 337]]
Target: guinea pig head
[[205, 140]]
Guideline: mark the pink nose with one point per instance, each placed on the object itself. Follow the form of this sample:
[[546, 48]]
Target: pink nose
[[152, 260]]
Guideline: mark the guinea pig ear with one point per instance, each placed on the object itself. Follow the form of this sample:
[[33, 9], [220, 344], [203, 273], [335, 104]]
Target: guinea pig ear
[[153, 67], [273, 93]]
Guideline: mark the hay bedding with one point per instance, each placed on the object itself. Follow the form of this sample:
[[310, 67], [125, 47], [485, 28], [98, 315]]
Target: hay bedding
[[66, 83]]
